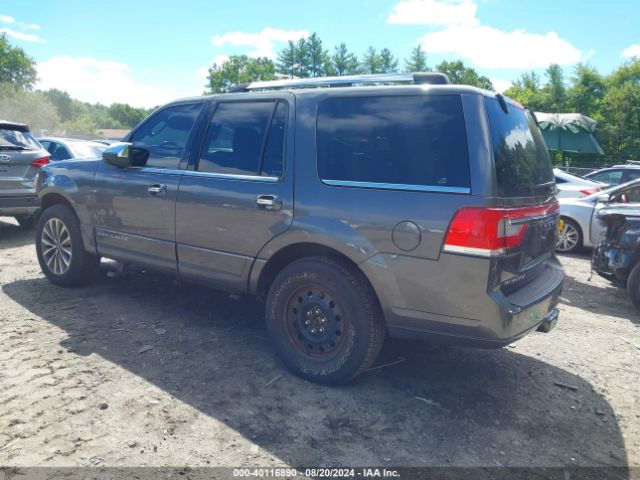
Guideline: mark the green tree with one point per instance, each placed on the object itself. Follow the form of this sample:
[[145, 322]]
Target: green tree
[[371, 61], [65, 105], [32, 108], [527, 90], [16, 67], [239, 69], [620, 113], [388, 63], [555, 89], [318, 56], [287, 60], [126, 115], [459, 73], [587, 90], [344, 62], [417, 61], [302, 58]]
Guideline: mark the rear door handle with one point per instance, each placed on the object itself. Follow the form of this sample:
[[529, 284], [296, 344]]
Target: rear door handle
[[157, 190], [269, 202]]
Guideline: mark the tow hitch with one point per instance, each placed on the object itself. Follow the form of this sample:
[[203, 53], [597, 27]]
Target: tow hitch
[[549, 322]]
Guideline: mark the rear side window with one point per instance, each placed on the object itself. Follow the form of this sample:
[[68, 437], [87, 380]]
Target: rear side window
[[409, 140], [523, 166], [17, 140], [245, 138]]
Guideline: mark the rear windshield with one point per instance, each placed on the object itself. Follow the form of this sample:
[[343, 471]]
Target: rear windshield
[[394, 141], [16, 139], [523, 166]]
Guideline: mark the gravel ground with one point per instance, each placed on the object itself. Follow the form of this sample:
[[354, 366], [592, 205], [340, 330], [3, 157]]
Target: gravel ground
[[136, 370]]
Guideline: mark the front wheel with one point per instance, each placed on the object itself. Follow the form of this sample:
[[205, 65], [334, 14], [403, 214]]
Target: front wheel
[[324, 320], [60, 250]]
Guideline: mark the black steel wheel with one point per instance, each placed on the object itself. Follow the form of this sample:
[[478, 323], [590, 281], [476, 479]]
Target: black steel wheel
[[324, 319]]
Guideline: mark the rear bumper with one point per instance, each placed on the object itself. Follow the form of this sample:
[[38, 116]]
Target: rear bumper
[[19, 205], [463, 315]]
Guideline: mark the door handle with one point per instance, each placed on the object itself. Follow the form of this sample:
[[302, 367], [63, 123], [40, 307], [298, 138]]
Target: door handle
[[157, 190], [269, 202]]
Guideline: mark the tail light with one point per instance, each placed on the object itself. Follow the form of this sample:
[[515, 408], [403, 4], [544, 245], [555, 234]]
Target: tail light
[[489, 232], [589, 191], [40, 162]]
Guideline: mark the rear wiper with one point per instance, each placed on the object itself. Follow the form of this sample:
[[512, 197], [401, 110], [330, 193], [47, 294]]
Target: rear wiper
[[13, 147]]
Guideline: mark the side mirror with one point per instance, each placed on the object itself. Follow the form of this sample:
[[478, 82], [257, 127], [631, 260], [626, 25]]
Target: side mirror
[[604, 198], [118, 154]]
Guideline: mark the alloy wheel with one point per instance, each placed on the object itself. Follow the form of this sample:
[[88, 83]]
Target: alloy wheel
[[568, 238], [56, 246]]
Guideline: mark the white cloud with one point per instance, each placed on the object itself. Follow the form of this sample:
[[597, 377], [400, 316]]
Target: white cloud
[[25, 37], [263, 42], [501, 85], [487, 47], [9, 20], [102, 81], [631, 51], [434, 12]]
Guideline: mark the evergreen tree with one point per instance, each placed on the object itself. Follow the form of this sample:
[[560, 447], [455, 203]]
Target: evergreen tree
[[417, 61]]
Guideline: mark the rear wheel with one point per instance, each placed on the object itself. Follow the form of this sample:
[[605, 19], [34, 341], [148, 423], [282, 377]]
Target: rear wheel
[[60, 250], [633, 286], [325, 320], [570, 237]]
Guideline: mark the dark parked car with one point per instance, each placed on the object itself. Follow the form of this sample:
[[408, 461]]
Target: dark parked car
[[615, 175], [21, 156], [356, 207], [617, 257]]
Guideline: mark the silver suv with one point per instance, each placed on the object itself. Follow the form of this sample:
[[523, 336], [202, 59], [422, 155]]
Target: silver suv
[[355, 206], [21, 156]]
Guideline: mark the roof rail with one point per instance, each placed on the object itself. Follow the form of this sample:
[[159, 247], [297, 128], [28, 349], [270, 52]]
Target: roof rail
[[431, 78]]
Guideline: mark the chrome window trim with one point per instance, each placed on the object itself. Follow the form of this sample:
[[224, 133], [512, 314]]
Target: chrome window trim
[[397, 186], [233, 176]]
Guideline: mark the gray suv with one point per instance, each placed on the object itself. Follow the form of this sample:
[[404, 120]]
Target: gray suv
[[355, 206], [21, 156]]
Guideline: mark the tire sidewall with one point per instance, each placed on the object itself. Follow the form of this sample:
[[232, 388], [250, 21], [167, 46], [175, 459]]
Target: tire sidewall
[[354, 349], [633, 286], [78, 254]]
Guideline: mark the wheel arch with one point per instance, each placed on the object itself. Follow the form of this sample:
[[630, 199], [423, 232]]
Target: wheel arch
[[261, 280], [53, 197]]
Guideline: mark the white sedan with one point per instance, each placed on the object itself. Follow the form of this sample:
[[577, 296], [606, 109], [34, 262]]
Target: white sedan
[[580, 227], [571, 186]]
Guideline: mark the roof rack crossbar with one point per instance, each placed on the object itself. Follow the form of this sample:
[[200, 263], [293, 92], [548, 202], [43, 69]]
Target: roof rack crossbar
[[431, 78]]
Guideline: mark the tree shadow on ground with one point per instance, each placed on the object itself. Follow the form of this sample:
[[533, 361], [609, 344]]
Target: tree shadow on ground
[[440, 406]]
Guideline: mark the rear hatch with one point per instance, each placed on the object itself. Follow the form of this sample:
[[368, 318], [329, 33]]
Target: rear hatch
[[20, 158], [525, 183]]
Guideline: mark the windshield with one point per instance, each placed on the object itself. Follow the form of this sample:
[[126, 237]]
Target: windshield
[[523, 166], [17, 139], [87, 150]]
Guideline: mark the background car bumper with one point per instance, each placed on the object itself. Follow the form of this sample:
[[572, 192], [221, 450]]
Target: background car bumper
[[19, 205]]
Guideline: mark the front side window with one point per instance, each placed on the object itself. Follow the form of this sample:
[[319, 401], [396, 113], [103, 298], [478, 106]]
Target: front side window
[[416, 140], [59, 152], [245, 138], [160, 141]]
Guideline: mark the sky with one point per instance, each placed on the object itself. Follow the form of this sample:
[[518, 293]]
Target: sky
[[146, 53]]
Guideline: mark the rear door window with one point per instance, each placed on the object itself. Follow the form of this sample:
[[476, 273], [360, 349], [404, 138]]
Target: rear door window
[[611, 177], [245, 138], [394, 142], [522, 162]]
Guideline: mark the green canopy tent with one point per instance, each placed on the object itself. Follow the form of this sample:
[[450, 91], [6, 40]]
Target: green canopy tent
[[569, 132]]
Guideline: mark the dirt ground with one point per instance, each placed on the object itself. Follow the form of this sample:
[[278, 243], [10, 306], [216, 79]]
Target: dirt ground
[[139, 371]]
